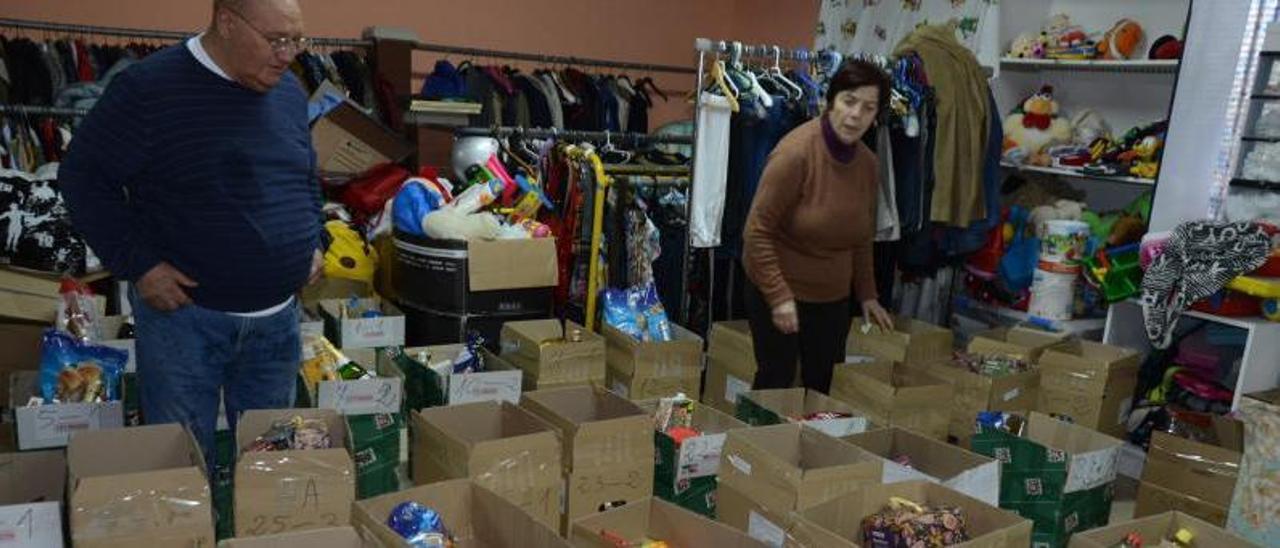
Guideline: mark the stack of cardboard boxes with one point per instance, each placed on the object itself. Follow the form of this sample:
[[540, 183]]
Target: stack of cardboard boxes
[[645, 370]]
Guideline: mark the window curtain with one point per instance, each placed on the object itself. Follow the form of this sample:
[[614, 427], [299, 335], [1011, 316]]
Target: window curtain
[[875, 27]]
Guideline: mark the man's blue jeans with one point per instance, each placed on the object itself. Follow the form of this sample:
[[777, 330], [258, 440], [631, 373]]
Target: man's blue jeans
[[189, 357]]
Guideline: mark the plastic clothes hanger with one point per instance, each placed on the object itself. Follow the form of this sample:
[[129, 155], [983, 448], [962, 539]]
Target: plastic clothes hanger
[[776, 72]]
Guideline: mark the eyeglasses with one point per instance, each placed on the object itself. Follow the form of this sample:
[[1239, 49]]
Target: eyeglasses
[[283, 44]]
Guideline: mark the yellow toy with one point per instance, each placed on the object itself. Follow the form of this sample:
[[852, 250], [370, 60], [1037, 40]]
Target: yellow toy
[[1143, 156], [1037, 124], [349, 256]]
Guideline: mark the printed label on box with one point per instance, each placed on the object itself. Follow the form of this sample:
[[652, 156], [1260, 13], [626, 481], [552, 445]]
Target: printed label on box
[[700, 456], [839, 428], [373, 332], [362, 397], [734, 387], [1011, 394], [51, 425], [741, 464], [486, 386], [38, 525], [765, 531]]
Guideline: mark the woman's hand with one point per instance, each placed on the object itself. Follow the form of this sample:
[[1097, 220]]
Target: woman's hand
[[872, 312], [785, 319]]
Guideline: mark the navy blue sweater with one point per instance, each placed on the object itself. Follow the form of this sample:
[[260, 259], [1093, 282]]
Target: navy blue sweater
[[177, 164]]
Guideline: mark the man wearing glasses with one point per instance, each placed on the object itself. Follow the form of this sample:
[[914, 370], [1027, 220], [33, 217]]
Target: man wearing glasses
[[193, 178]]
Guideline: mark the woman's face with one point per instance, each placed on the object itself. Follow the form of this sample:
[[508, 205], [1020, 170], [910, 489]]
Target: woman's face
[[852, 112]]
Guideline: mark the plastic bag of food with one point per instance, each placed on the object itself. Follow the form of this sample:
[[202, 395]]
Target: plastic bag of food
[[73, 371]]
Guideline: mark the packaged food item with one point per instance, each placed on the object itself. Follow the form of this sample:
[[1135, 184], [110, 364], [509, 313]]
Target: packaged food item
[[905, 524], [74, 371], [1183, 538], [296, 433], [420, 525], [990, 365], [320, 360], [674, 412], [1000, 420], [469, 359], [637, 312], [77, 313], [619, 541]]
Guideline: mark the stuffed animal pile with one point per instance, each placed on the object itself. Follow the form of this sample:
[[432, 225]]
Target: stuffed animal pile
[[1059, 38]]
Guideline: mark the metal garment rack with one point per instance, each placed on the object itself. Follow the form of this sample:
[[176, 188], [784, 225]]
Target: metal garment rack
[[550, 59], [39, 110], [573, 135], [736, 49], [127, 32]]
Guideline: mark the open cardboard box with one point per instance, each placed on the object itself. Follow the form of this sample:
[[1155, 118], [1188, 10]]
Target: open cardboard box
[[351, 332], [33, 476], [142, 486], [1092, 383], [350, 142], [786, 405], [1158, 527], [498, 445], [838, 523], [731, 365], [633, 358], [658, 520], [892, 394], [931, 460], [643, 388], [329, 537], [474, 516], [1022, 343], [607, 445], [544, 351], [374, 395], [1016, 392], [767, 472], [1194, 477], [912, 342], [500, 381], [51, 425], [279, 491]]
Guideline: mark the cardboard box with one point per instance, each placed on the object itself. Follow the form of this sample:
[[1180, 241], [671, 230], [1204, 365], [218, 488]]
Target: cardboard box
[[379, 446], [912, 342], [51, 425], [1158, 527], [124, 497], [21, 344], [1154, 499], [381, 394], [1199, 476], [1017, 392], [36, 525], [656, 519], [1091, 383], [433, 383], [1022, 343], [607, 445], [35, 476], [767, 472], [281, 491], [633, 358], [329, 537], [498, 445], [642, 388], [348, 333], [327, 288], [787, 405], [731, 365], [474, 515], [838, 523], [891, 394], [685, 473], [548, 355], [476, 276], [1057, 474], [350, 142], [931, 460]]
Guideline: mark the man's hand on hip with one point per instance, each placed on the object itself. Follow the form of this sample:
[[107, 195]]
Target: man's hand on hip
[[162, 288], [317, 267]]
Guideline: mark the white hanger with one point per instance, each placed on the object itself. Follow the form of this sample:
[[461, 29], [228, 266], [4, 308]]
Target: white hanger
[[776, 72]]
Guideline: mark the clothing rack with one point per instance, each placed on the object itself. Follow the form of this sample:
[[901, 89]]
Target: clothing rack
[[128, 32], [647, 170], [550, 59], [707, 45], [39, 110], [573, 135]]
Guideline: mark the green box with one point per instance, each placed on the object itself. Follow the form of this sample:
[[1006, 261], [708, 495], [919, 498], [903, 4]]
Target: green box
[[1058, 475], [224, 452], [423, 388], [754, 414], [375, 448], [697, 494]]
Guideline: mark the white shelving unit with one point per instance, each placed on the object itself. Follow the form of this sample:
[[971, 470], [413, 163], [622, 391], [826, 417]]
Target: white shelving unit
[[1086, 328], [1077, 174], [1097, 65], [1259, 368]]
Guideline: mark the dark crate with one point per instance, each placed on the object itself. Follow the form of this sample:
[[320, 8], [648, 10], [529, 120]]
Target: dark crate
[[432, 274]]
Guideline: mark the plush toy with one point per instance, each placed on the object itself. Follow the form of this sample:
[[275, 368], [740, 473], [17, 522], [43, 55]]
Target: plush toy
[[1165, 47], [1027, 46], [1036, 125], [448, 223], [1062, 210], [1121, 42]]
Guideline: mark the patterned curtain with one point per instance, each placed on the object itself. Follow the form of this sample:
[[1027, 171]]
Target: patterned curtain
[[875, 27]]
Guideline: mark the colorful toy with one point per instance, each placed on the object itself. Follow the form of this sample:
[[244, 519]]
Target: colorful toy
[[1115, 272], [1036, 125], [1029, 46], [1121, 42], [1166, 47]]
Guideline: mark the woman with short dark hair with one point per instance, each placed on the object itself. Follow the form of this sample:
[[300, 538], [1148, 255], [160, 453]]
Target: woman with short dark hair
[[809, 235]]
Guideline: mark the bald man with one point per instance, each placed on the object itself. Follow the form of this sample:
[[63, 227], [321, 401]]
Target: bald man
[[193, 178]]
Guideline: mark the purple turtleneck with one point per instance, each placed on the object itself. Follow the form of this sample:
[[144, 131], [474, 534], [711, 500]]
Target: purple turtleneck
[[841, 152]]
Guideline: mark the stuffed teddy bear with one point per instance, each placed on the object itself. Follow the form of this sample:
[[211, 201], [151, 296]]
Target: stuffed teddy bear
[[1036, 125], [1121, 42], [1062, 210]]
